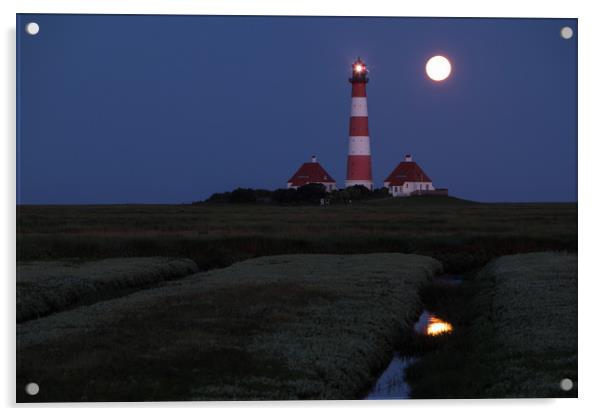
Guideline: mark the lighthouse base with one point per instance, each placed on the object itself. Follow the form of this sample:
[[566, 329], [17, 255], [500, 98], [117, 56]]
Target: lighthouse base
[[367, 184]]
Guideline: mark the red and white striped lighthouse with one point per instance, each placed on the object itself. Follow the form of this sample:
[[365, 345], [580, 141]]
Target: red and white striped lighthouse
[[359, 160]]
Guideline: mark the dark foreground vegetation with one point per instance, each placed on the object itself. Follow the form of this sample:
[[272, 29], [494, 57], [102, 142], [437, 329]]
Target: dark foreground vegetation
[[45, 287], [282, 327], [461, 234], [178, 336], [310, 194], [515, 332]]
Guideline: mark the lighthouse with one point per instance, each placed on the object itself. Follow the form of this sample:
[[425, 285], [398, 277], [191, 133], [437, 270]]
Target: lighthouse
[[359, 162]]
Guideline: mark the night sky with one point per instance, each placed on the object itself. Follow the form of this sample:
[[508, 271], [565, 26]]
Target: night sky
[[169, 109]]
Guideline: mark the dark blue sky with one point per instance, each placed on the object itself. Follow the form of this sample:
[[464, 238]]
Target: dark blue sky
[[162, 109]]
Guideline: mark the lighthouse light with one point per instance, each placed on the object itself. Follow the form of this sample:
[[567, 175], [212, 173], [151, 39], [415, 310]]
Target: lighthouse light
[[359, 68]]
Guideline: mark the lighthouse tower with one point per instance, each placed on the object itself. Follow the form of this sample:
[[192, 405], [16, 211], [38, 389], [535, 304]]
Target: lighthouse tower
[[359, 161]]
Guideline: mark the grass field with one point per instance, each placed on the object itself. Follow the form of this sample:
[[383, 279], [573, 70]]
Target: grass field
[[461, 234], [520, 338], [313, 327], [45, 287], [282, 327]]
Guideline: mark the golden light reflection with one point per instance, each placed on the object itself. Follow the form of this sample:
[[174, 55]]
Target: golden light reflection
[[437, 327]]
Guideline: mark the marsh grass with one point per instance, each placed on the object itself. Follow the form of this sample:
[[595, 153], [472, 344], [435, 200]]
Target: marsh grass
[[516, 333], [462, 235], [281, 327], [45, 287], [242, 339]]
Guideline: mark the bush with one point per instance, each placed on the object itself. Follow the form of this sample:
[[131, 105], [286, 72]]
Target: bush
[[307, 194], [358, 192], [218, 197], [284, 196], [311, 192], [241, 195]]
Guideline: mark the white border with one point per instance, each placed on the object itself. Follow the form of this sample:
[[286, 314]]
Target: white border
[[461, 8], [590, 136]]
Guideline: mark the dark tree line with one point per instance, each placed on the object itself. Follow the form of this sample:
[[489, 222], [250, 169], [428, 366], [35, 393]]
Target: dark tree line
[[313, 194]]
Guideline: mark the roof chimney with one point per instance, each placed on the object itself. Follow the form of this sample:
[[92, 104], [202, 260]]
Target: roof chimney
[[408, 158], [314, 159]]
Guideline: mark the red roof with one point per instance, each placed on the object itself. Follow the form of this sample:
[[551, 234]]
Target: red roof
[[310, 172], [407, 172]]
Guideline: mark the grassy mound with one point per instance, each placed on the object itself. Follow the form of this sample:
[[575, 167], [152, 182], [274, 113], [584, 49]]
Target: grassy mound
[[521, 340], [45, 287], [281, 327]]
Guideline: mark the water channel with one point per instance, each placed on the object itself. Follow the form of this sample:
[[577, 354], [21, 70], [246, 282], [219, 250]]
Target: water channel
[[392, 383]]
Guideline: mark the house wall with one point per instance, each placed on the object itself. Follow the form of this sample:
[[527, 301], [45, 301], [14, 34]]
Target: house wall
[[407, 188]]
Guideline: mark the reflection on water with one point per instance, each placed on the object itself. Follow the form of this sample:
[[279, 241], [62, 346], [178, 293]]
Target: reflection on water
[[429, 324], [436, 326], [391, 384]]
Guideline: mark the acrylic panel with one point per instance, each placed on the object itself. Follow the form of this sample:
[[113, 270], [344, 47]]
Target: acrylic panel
[[295, 208]]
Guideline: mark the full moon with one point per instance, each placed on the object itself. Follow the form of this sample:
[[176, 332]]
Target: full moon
[[438, 68]]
